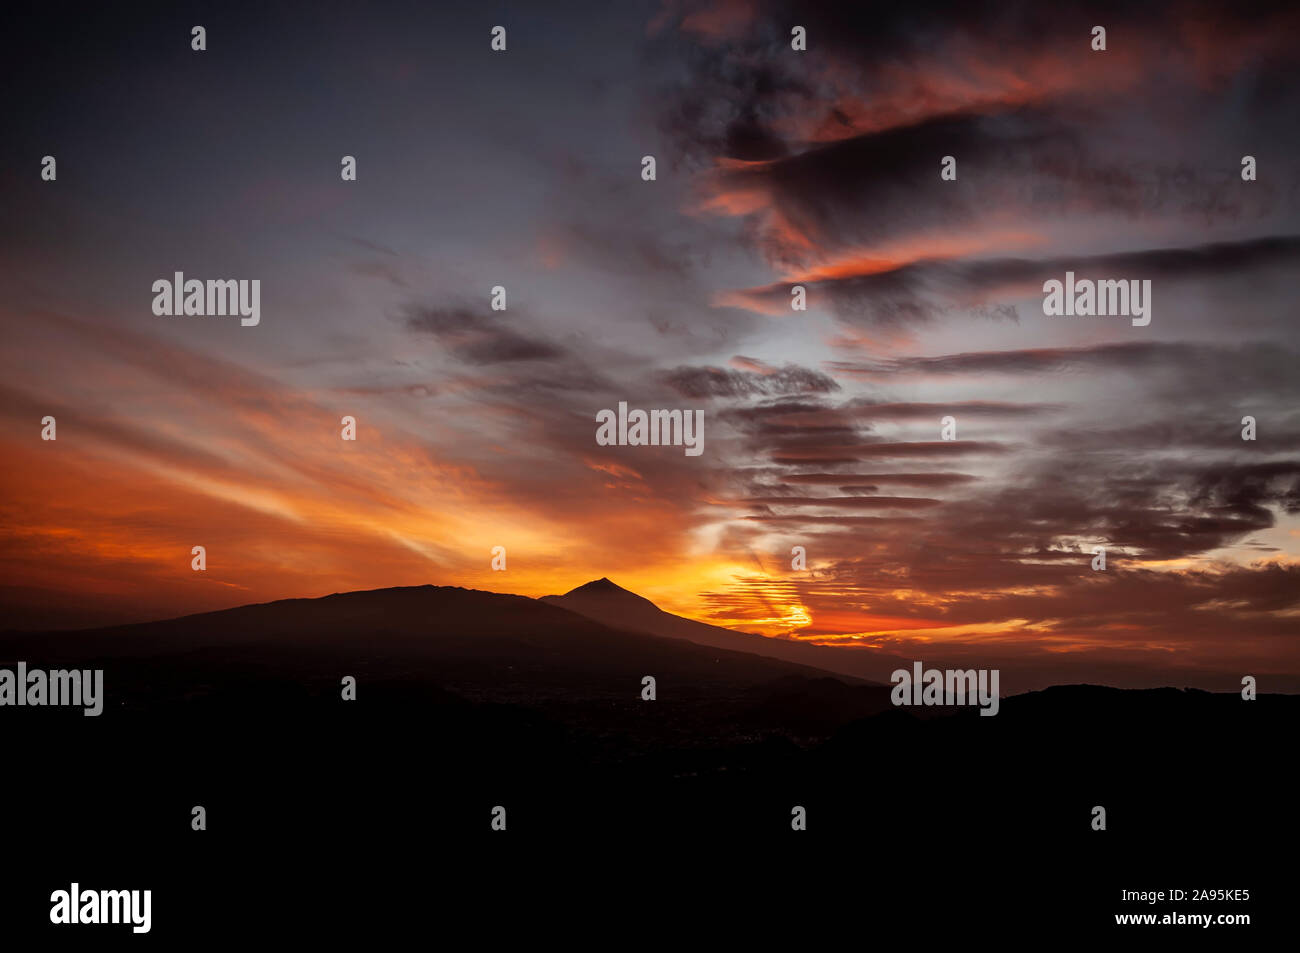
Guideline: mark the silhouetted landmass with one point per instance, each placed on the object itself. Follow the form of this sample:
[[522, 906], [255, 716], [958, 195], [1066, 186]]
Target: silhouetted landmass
[[615, 606], [470, 699]]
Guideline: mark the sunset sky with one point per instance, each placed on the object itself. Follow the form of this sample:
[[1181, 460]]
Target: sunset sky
[[775, 168]]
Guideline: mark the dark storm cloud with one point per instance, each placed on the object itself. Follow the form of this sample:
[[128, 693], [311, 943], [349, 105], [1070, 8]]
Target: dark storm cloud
[[846, 452], [780, 442], [800, 519], [866, 409], [847, 416], [845, 502], [873, 480], [479, 338], [743, 77], [800, 433], [795, 433], [1163, 510], [1129, 355], [795, 429], [878, 30], [921, 290], [723, 382], [875, 186], [1248, 490], [1202, 427], [932, 448]]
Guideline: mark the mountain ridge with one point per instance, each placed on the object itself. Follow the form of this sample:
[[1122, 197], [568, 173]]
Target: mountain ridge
[[605, 601], [489, 638]]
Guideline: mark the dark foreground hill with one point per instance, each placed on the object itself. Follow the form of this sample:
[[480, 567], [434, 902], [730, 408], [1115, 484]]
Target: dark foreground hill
[[467, 701]]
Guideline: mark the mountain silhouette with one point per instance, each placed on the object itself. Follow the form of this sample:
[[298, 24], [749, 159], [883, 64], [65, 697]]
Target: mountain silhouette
[[490, 645], [613, 605]]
